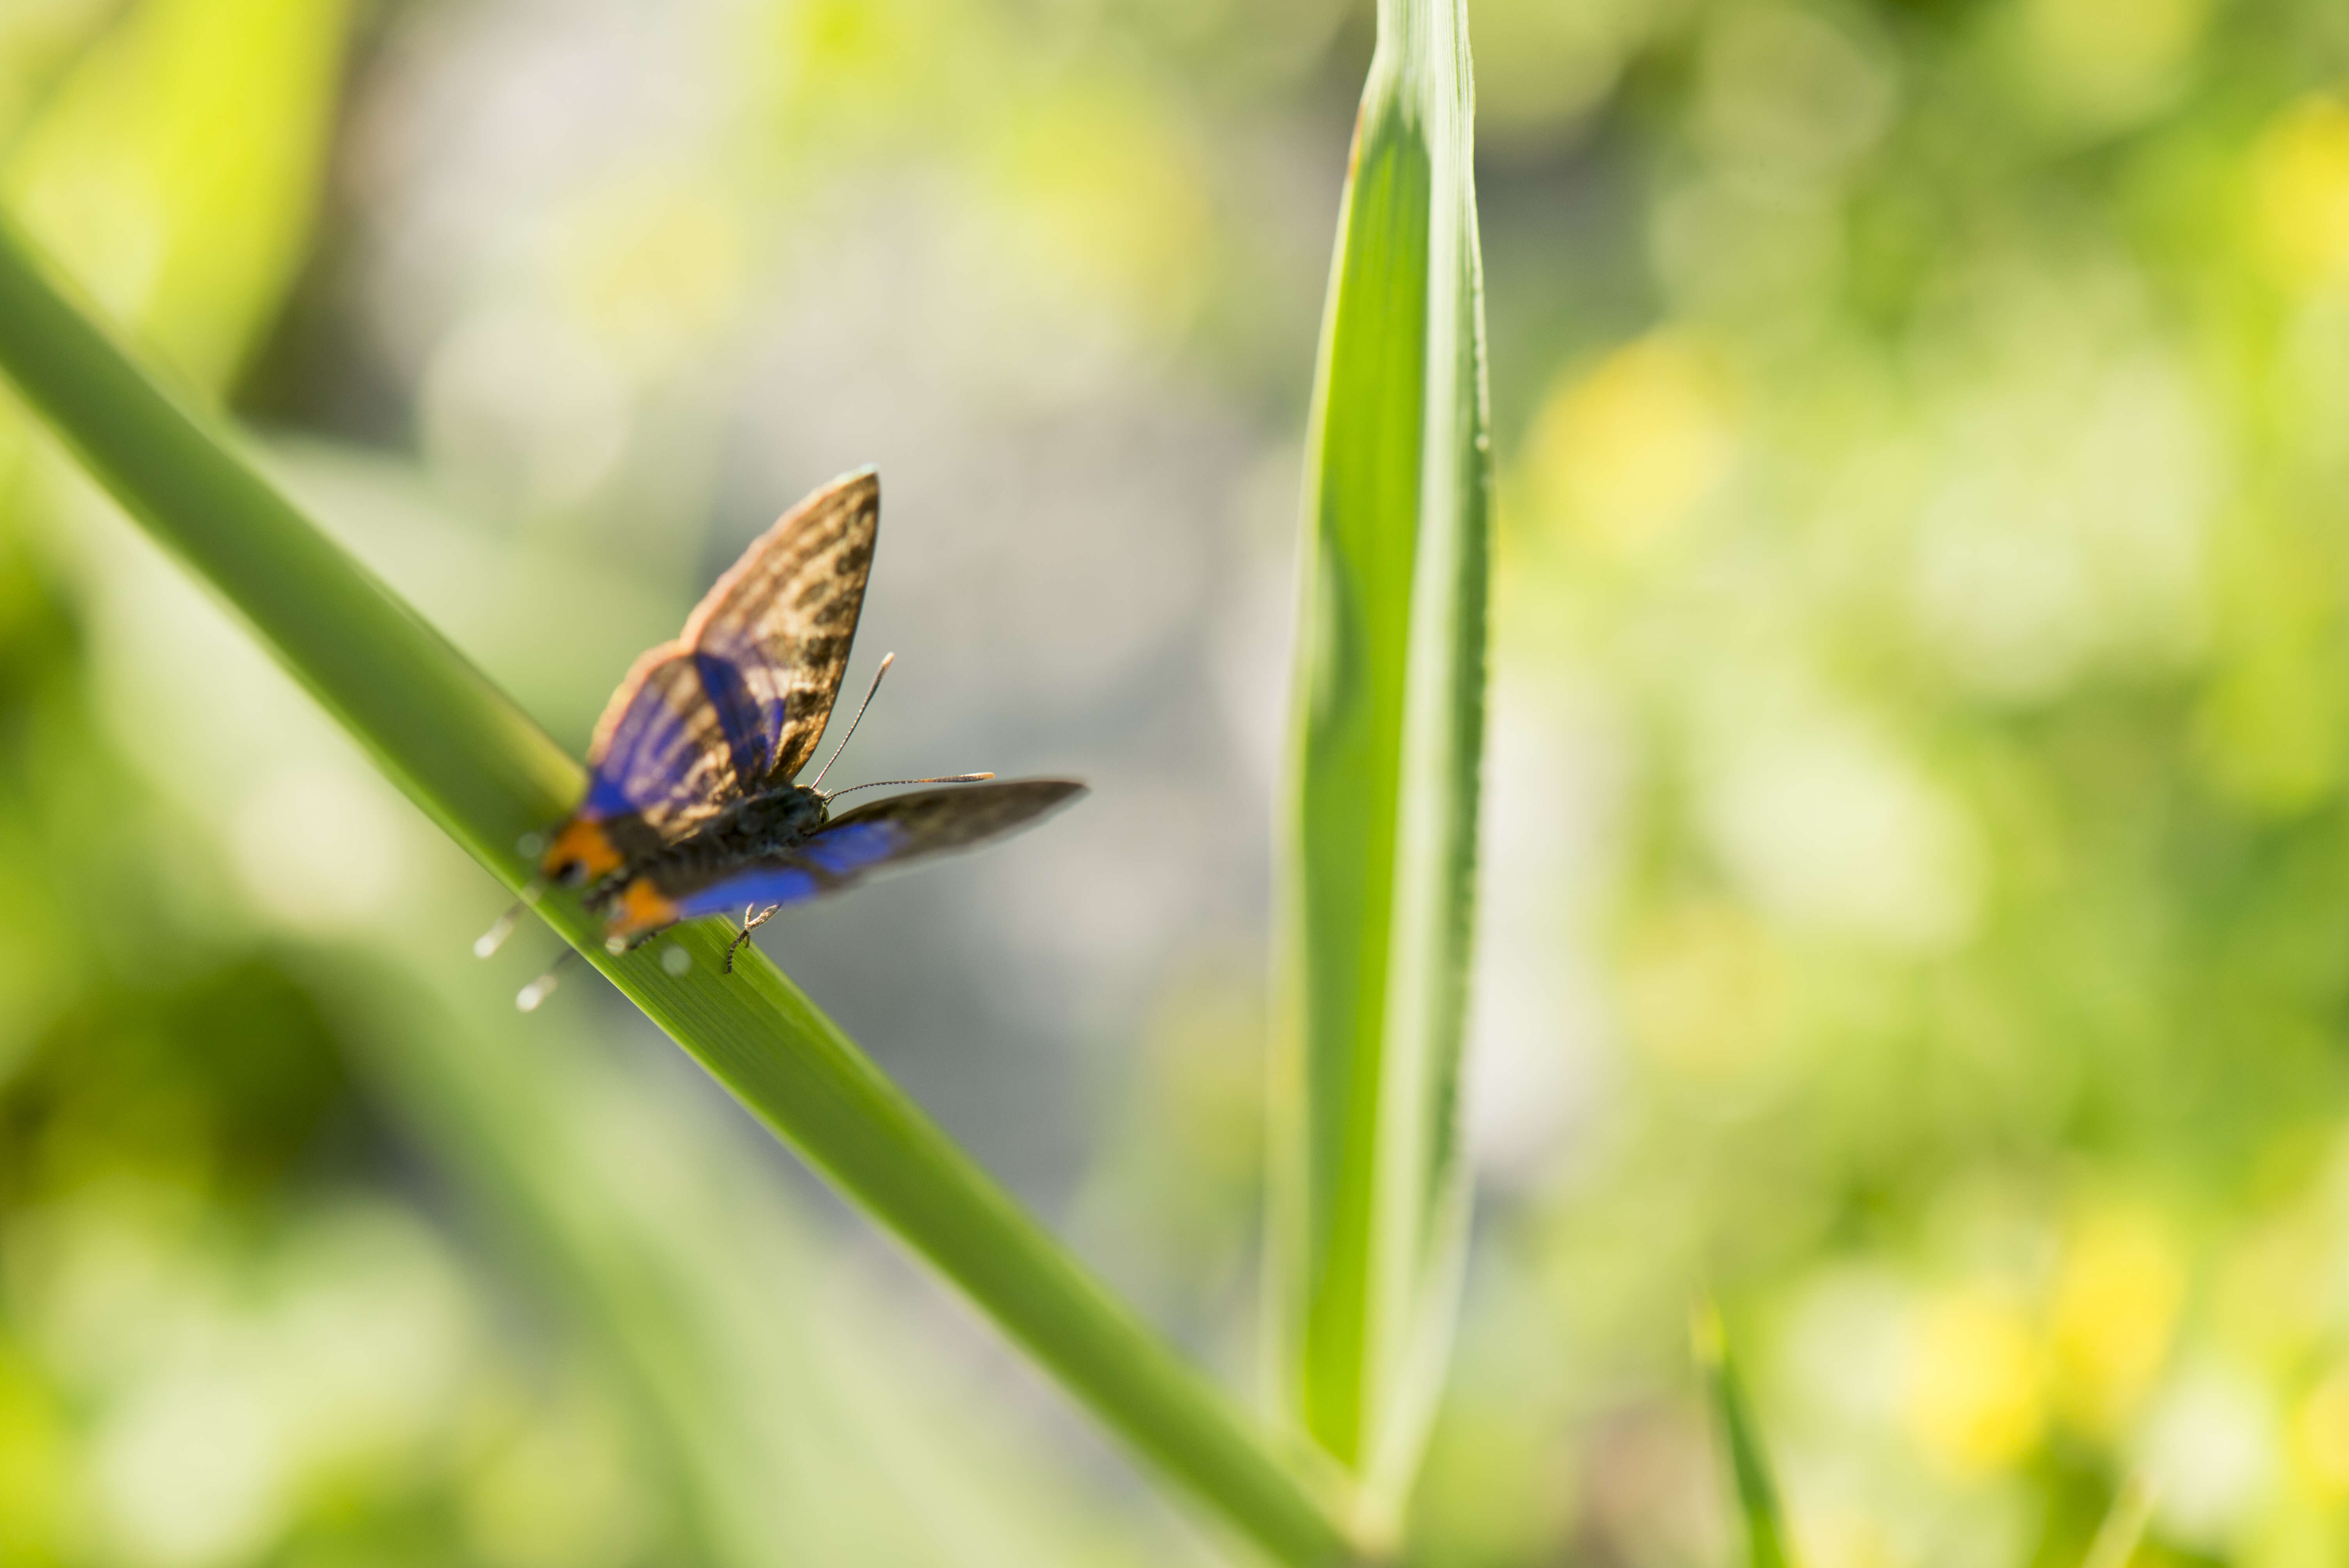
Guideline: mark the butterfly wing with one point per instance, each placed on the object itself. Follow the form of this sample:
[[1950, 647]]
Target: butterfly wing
[[740, 699], [845, 850], [772, 636], [662, 761]]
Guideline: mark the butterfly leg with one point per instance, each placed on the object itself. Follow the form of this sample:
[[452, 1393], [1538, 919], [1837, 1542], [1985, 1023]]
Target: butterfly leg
[[540, 989], [617, 946], [490, 941], [751, 922]]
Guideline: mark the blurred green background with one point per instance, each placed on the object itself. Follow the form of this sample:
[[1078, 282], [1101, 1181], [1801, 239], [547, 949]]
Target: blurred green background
[[1918, 893]]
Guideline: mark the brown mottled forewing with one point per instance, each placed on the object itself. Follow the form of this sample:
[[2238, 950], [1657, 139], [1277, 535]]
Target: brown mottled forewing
[[786, 614]]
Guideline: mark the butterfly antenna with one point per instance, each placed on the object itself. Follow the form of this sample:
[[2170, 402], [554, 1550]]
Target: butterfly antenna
[[887, 660], [942, 779], [528, 998]]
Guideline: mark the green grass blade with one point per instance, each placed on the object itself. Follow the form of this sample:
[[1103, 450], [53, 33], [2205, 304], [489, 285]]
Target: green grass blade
[[790, 1416], [487, 775], [1757, 1494], [2123, 1531], [1388, 726]]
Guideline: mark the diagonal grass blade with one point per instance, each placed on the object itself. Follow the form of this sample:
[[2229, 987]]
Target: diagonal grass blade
[[487, 775]]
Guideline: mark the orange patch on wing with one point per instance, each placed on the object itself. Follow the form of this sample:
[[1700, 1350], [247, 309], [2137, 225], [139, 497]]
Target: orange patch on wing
[[583, 843], [641, 908]]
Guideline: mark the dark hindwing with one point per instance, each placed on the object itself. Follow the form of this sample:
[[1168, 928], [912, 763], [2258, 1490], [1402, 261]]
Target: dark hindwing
[[776, 630], [873, 838]]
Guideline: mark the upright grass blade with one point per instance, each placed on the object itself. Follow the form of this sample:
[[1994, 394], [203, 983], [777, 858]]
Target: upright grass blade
[[1387, 732], [487, 775], [1757, 1495]]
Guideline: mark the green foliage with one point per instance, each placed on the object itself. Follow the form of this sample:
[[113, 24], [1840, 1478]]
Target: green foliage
[[1915, 850], [1923, 547], [175, 169]]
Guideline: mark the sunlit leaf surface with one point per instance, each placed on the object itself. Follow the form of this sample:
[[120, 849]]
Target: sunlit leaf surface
[[1389, 717]]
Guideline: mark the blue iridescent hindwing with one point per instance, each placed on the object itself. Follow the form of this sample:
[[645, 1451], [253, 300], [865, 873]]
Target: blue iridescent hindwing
[[873, 838]]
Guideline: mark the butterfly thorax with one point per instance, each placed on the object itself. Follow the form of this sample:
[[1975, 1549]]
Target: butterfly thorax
[[753, 828]]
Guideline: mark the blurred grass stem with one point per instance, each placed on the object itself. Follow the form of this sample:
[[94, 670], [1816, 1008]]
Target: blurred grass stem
[[1757, 1493], [478, 766], [2124, 1527]]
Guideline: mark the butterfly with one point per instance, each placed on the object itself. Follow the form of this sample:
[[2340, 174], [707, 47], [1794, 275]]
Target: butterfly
[[692, 807]]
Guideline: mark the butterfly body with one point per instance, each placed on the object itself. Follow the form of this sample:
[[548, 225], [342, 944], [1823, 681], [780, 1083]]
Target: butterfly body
[[744, 833], [753, 828], [692, 806]]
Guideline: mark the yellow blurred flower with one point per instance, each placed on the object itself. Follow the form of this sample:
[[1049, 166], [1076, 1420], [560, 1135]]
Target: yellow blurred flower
[[1623, 453], [35, 1456], [2118, 1294], [1976, 1392], [852, 39], [2320, 1433], [2300, 193], [838, 75]]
